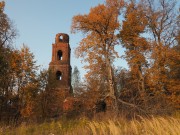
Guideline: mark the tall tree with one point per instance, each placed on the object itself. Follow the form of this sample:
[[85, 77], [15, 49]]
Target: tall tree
[[27, 80], [148, 34], [162, 25], [7, 34], [23, 82], [97, 48], [136, 46]]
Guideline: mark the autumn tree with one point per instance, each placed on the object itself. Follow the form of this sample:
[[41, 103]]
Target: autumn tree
[[136, 46], [97, 47], [7, 34], [148, 34], [163, 27], [24, 83]]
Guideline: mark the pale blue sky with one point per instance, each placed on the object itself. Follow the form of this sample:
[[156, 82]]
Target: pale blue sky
[[38, 21]]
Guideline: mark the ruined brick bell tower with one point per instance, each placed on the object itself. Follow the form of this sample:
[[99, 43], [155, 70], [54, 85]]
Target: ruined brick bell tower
[[60, 63]]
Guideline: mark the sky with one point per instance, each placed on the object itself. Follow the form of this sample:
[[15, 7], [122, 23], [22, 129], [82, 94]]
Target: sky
[[38, 22]]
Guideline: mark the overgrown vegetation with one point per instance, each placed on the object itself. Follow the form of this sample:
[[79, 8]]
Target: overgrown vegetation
[[119, 126], [148, 30]]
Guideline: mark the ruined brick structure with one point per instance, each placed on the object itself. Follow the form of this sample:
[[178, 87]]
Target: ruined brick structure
[[60, 63]]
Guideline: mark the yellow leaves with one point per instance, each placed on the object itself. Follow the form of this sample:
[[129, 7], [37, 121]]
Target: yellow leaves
[[97, 48], [134, 24], [100, 20]]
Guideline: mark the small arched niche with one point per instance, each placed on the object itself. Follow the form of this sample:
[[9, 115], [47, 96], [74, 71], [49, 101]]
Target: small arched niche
[[58, 75], [59, 55]]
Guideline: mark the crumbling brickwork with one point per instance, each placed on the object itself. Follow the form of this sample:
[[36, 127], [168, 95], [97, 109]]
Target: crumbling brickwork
[[60, 63]]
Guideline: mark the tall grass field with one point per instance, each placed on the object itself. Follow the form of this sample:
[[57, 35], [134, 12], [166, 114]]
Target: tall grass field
[[119, 126]]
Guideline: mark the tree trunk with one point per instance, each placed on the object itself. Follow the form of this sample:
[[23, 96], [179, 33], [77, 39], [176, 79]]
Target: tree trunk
[[112, 106]]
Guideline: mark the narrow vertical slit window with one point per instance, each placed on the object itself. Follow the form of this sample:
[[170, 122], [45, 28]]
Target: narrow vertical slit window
[[59, 55], [58, 75]]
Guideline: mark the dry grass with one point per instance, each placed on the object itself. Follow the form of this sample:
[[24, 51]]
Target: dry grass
[[142, 126]]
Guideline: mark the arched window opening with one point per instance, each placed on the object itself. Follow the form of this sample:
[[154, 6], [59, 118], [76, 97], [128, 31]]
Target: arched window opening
[[58, 75], [61, 37], [59, 55]]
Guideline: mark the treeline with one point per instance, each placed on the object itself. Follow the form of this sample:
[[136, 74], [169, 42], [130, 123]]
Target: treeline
[[150, 33], [24, 90]]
